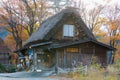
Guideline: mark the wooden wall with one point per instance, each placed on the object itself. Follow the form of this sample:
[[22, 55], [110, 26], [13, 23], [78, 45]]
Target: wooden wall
[[45, 58], [78, 33], [88, 53], [4, 58], [72, 56]]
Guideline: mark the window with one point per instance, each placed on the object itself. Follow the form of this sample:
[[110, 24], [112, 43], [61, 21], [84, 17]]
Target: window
[[68, 30]]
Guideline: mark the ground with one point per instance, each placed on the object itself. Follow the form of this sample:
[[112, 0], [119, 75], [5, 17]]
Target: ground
[[110, 73], [28, 76], [38, 78], [6, 78]]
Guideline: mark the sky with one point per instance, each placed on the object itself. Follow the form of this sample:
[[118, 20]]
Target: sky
[[91, 3], [99, 1]]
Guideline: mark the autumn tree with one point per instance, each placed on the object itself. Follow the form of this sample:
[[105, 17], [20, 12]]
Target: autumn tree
[[91, 16], [34, 12], [22, 17], [10, 22], [112, 28]]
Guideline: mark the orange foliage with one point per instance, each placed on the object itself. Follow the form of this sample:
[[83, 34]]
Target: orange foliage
[[9, 40]]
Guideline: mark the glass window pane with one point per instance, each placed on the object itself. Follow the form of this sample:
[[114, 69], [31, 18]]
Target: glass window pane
[[71, 30], [65, 30], [68, 30]]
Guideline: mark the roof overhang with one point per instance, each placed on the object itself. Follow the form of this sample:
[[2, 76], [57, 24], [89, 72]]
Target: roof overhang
[[32, 46], [55, 46]]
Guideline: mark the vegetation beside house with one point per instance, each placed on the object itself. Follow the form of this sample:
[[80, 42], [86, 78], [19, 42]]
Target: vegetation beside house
[[111, 72]]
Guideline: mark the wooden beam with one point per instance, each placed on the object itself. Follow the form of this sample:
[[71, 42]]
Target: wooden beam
[[64, 58], [80, 50], [34, 60], [56, 66]]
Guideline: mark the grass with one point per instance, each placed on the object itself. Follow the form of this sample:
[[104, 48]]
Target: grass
[[112, 72]]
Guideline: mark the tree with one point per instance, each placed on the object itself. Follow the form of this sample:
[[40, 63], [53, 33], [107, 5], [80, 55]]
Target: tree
[[22, 16], [10, 22], [35, 12], [113, 28]]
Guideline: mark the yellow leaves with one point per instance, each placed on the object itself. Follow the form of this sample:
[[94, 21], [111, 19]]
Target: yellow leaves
[[113, 24], [113, 27], [9, 37], [36, 25], [98, 24], [9, 40], [24, 35], [117, 56], [117, 37]]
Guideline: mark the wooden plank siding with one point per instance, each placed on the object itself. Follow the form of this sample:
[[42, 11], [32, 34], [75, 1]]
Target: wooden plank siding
[[84, 56], [4, 58], [79, 33], [71, 56]]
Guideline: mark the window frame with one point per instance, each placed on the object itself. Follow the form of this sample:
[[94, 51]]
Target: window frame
[[67, 33]]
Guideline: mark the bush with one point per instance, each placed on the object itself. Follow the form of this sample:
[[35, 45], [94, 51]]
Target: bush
[[2, 68], [7, 69], [11, 69], [95, 72], [96, 66], [117, 65]]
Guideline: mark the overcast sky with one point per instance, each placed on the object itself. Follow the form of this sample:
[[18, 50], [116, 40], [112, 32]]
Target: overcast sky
[[91, 3]]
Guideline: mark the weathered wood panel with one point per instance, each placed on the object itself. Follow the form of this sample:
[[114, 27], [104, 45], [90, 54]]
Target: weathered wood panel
[[78, 31], [4, 58], [88, 53], [68, 58]]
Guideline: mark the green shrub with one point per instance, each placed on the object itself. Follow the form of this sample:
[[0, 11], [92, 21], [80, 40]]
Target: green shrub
[[11, 69], [8, 69], [2, 68], [96, 66]]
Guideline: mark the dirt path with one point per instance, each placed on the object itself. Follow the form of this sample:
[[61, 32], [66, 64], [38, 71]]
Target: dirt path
[[6, 78], [38, 78]]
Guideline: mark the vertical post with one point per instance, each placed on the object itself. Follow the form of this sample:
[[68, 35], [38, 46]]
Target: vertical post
[[56, 66], [34, 60], [93, 53], [64, 58], [80, 51], [79, 54]]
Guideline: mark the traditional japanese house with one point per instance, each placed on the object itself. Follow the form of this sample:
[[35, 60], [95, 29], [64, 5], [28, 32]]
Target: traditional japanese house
[[64, 41], [4, 53]]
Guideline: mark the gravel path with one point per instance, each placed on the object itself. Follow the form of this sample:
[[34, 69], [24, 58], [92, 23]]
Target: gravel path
[[6, 78], [28, 76], [38, 78]]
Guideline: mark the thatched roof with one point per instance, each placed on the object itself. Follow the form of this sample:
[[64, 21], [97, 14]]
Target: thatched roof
[[3, 47], [43, 32]]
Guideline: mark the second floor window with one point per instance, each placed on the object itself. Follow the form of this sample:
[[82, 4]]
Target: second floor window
[[68, 30]]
